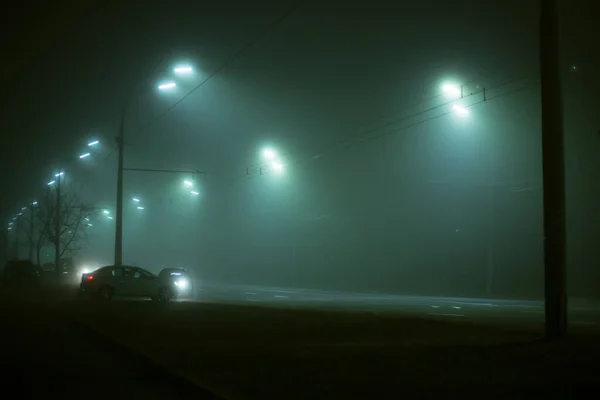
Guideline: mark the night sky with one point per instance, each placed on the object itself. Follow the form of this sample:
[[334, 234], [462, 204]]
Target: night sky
[[385, 188]]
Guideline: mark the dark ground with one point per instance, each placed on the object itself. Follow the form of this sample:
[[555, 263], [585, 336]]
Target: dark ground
[[260, 353]]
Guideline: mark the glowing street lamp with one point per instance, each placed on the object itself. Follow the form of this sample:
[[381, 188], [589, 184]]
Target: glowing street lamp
[[452, 90], [93, 143], [140, 207], [188, 183], [59, 174], [269, 154], [84, 155], [460, 110], [105, 212], [194, 193], [167, 85], [278, 167], [136, 199], [183, 69], [51, 183]]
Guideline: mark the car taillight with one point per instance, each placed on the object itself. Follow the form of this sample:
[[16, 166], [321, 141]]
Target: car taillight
[[89, 278]]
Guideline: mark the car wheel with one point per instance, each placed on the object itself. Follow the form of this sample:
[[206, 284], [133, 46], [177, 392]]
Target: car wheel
[[164, 294], [105, 293]]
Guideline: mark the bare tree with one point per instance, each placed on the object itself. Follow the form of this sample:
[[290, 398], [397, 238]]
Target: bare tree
[[74, 224]]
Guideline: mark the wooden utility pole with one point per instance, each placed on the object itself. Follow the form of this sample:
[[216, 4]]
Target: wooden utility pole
[[553, 174]]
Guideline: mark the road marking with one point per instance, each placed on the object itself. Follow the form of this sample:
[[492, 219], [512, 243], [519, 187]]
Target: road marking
[[449, 315]]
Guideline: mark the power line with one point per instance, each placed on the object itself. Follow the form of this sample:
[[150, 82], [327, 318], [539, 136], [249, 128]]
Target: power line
[[230, 60], [368, 135]]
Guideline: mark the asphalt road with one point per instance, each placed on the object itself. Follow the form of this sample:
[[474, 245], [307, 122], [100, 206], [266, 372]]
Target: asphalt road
[[581, 313], [44, 355]]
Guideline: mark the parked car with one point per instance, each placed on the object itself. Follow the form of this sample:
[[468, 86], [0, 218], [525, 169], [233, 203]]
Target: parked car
[[180, 279], [106, 282], [21, 273]]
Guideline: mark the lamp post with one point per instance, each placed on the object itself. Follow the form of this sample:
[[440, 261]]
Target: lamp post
[[164, 86], [58, 177]]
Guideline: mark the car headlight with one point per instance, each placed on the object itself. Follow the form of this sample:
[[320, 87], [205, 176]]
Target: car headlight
[[182, 283]]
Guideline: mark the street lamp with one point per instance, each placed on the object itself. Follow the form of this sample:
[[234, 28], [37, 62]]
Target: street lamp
[[460, 110], [269, 154], [140, 207], [194, 193], [84, 155], [136, 199], [452, 90], [183, 69], [105, 212], [167, 86], [93, 143], [188, 183]]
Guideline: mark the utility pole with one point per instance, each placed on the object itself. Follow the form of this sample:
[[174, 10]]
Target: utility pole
[[553, 174], [17, 244], [31, 216], [119, 221], [57, 231]]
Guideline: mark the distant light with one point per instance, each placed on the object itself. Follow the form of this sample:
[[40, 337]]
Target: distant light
[[188, 183], [451, 90], [51, 183], [23, 208], [59, 174], [95, 142], [87, 219], [20, 213], [109, 217], [277, 166], [183, 69], [136, 199], [140, 208], [573, 67], [90, 225], [10, 228], [168, 85], [106, 211], [34, 203], [84, 155], [269, 154], [10, 223], [194, 193], [460, 110]]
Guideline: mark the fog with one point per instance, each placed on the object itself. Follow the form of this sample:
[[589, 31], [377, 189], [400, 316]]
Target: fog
[[385, 187]]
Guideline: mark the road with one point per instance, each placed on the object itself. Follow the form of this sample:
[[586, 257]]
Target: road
[[581, 313], [68, 347], [44, 355]]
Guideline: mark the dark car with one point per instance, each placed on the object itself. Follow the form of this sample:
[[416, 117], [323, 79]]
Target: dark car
[[181, 280], [106, 282], [21, 273]]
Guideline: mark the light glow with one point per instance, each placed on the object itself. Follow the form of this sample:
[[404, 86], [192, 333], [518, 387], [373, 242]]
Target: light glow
[[460, 110], [167, 85], [188, 183], [269, 154], [105, 212], [451, 90], [277, 166], [95, 142], [183, 69], [84, 155], [51, 183], [140, 207], [136, 199], [59, 174], [194, 193]]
